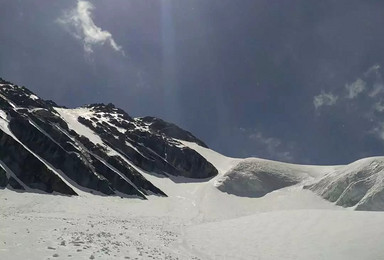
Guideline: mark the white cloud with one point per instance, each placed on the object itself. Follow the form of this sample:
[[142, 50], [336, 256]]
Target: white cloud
[[369, 109], [379, 107], [375, 68], [272, 147], [377, 88], [355, 88], [379, 131], [79, 23], [324, 99]]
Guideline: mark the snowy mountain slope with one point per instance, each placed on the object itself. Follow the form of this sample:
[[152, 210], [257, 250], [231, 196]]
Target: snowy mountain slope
[[142, 141], [101, 149], [359, 185], [196, 221], [33, 176], [216, 207], [96, 148], [254, 177]]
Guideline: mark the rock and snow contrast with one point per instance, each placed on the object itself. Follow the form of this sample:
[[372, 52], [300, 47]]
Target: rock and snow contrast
[[95, 183], [97, 148]]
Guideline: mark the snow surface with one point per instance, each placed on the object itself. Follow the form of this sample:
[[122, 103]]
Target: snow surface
[[70, 116], [359, 185], [34, 97], [254, 177], [196, 221]]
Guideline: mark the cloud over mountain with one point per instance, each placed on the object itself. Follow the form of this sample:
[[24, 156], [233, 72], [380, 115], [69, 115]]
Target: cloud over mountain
[[79, 22]]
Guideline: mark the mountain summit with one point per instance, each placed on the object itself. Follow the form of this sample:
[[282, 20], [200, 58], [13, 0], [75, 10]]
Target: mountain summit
[[96, 148]]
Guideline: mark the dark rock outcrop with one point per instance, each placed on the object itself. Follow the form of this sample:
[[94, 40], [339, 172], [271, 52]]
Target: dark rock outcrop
[[29, 169], [43, 149], [146, 142], [3, 178], [14, 184], [168, 129]]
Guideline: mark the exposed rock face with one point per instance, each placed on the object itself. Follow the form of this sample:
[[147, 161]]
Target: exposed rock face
[[28, 169], [169, 129], [15, 184], [359, 184], [146, 143], [97, 148], [3, 178]]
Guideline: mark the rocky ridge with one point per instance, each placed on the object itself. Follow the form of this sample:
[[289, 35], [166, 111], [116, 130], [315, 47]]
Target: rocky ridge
[[97, 148]]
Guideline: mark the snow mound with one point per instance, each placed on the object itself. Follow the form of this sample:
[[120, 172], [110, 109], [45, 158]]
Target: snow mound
[[255, 177], [359, 185]]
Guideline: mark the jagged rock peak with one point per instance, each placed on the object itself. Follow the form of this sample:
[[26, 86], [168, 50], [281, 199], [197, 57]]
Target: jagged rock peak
[[96, 148], [109, 108], [169, 129]]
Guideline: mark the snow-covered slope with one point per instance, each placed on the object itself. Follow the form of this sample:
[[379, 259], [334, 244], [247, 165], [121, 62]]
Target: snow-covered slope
[[97, 148], [196, 221], [292, 234], [359, 185], [256, 177], [216, 207]]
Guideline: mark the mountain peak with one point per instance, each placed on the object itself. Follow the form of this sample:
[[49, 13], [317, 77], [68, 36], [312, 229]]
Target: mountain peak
[[96, 148]]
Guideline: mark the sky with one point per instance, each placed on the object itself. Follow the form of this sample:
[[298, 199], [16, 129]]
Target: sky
[[297, 81]]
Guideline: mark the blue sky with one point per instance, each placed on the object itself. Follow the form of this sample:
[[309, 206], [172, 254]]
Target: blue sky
[[297, 81]]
